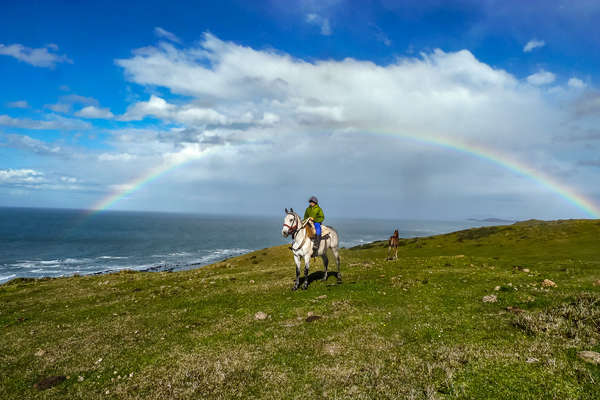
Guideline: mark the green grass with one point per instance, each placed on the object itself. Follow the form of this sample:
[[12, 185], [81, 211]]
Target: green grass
[[411, 328]]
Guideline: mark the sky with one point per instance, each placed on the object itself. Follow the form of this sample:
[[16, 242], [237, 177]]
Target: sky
[[382, 109]]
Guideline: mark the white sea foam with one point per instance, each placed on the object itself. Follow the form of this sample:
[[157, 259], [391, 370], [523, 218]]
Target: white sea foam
[[49, 262], [111, 257], [7, 277], [218, 254], [75, 260], [176, 254], [24, 264]]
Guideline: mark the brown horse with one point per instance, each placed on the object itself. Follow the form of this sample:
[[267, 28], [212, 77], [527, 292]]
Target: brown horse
[[393, 242]]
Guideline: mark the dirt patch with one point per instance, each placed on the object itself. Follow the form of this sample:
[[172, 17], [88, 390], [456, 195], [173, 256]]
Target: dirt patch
[[49, 382]]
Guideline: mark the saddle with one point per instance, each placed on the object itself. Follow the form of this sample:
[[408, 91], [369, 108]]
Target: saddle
[[311, 232]]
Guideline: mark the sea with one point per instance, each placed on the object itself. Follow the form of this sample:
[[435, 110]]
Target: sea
[[39, 243]]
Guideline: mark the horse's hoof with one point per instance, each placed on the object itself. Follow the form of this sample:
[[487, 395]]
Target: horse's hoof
[[304, 287], [294, 288]]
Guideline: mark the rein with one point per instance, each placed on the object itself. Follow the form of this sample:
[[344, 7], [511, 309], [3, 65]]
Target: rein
[[293, 230]]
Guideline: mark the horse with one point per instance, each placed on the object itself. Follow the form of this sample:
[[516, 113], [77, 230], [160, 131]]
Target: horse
[[302, 246], [393, 242]]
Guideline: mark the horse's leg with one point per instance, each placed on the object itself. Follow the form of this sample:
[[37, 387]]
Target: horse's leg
[[297, 261], [306, 267], [336, 254], [326, 263], [396, 256]]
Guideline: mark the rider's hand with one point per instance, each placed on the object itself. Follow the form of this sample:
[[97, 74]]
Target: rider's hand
[[310, 218]]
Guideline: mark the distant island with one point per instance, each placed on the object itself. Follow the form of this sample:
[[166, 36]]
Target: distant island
[[491, 220]]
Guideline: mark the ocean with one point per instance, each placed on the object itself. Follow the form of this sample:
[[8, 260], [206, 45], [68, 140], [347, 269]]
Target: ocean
[[56, 242]]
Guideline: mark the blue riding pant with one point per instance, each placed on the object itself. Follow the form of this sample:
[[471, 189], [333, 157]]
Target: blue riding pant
[[318, 228]]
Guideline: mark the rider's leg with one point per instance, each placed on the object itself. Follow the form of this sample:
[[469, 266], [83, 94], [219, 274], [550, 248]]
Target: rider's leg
[[317, 237]]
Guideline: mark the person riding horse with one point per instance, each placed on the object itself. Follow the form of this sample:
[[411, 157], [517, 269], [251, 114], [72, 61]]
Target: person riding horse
[[315, 214]]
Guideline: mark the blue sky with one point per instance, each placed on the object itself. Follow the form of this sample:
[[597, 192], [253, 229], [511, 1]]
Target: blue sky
[[266, 103]]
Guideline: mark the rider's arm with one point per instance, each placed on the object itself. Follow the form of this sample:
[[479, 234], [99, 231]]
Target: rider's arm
[[320, 216]]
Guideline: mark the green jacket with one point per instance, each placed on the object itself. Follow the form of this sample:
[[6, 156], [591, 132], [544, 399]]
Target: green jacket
[[314, 212]]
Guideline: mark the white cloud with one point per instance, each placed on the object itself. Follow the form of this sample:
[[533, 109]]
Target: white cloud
[[30, 144], [160, 108], [251, 120], [155, 106], [18, 104], [66, 103], [533, 44], [40, 57], [29, 179], [322, 22], [95, 113], [541, 78], [62, 108], [576, 83], [54, 122], [116, 157], [20, 176], [162, 33]]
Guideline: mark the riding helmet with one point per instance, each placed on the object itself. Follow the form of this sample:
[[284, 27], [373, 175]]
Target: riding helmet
[[313, 199]]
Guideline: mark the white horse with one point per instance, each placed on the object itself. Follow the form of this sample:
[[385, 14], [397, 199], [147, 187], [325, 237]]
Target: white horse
[[302, 247]]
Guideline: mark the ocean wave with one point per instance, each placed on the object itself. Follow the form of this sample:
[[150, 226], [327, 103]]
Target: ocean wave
[[218, 254], [49, 262], [176, 254], [7, 277], [112, 257], [24, 264]]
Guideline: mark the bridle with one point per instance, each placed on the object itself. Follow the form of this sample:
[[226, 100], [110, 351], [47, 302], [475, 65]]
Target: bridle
[[292, 230]]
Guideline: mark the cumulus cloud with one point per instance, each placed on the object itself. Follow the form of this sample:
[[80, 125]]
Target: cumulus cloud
[[321, 22], [28, 179], [21, 176], [28, 143], [162, 33], [66, 103], [94, 112], [160, 108], [18, 104], [533, 44], [588, 104], [576, 83], [53, 122], [346, 94], [116, 157], [249, 121], [40, 57], [541, 78]]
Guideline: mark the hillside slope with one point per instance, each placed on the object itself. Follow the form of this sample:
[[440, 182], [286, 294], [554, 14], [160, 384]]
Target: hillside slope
[[412, 328]]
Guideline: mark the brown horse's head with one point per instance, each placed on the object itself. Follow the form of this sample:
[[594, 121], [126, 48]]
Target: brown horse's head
[[396, 233]]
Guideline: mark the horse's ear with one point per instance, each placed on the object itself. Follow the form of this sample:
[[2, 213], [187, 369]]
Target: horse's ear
[[291, 209], [286, 211]]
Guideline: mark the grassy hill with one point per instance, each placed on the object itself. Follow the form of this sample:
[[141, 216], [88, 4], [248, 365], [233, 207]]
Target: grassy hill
[[412, 328]]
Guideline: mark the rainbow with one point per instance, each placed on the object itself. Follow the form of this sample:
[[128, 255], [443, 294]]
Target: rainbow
[[506, 162], [478, 151], [135, 185]]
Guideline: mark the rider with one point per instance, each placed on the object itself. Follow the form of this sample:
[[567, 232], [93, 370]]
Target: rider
[[314, 212]]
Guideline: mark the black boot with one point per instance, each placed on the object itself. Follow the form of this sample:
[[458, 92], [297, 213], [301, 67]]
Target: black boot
[[316, 245]]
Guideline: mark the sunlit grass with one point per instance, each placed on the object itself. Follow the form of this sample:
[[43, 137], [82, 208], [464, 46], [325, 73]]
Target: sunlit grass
[[411, 328]]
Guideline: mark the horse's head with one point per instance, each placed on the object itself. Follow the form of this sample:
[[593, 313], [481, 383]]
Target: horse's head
[[290, 223]]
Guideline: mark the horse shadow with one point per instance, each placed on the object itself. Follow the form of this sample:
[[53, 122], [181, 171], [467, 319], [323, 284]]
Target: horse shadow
[[317, 276]]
